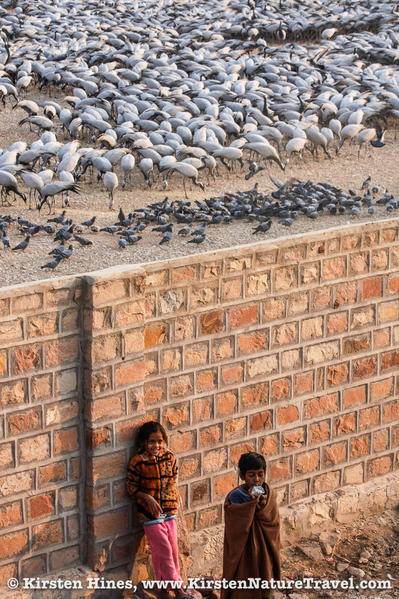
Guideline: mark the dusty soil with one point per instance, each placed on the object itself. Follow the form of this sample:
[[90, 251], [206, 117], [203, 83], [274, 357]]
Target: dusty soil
[[345, 171], [365, 550]]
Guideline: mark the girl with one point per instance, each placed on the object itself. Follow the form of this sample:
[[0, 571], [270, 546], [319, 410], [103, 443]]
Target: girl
[[151, 480]]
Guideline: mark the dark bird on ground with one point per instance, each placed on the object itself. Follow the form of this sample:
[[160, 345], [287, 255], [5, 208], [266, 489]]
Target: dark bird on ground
[[82, 240], [253, 170], [198, 239], [57, 219], [166, 237], [122, 243], [263, 227], [366, 183], [53, 264], [379, 142], [23, 245], [90, 222]]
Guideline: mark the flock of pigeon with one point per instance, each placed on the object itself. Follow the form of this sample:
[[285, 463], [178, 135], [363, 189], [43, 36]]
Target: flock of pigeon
[[133, 90]]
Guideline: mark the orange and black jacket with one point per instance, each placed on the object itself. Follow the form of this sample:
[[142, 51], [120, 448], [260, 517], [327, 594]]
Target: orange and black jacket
[[156, 476]]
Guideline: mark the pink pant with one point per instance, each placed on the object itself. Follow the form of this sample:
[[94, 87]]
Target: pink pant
[[162, 539]]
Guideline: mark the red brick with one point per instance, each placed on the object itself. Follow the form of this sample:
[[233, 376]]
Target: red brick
[[280, 389], [66, 557], [105, 348], [334, 268], [354, 474], [98, 497], [156, 335], [171, 359], [232, 373], [334, 454], [381, 338], [319, 432], [189, 466], [379, 466], [244, 316], [107, 524], [176, 415], [307, 462], [49, 533], [393, 285], [95, 438], [13, 392], [388, 311], [41, 505], [285, 278], [299, 490], [10, 514], [379, 259], [326, 482], [254, 395], [181, 442], [293, 439], [354, 395], [390, 360], [273, 309], [106, 408], [395, 436], [279, 470], [285, 334], [356, 344], [237, 450], [321, 405], [226, 403], [321, 298], [261, 421], [345, 424], [298, 304], [381, 389], [200, 492], [345, 293], [232, 289], [209, 517], [202, 409], [287, 415], [13, 544], [214, 460], [180, 386], [252, 342], [359, 263], [369, 417], [337, 374], [52, 473], [303, 383], [222, 349], [22, 422], [184, 274], [154, 392], [362, 317], [262, 366], [391, 411], [380, 440], [224, 484], [269, 445], [237, 427], [130, 372], [211, 322], [210, 435], [206, 380], [337, 323], [371, 288], [311, 328], [106, 466], [195, 355], [66, 440], [364, 368], [8, 571], [34, 449]]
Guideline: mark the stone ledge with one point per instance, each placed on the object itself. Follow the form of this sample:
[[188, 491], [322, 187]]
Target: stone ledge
[[320, 513]]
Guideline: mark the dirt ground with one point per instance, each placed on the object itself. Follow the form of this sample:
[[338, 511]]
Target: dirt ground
[[345, 171], [364, 550]]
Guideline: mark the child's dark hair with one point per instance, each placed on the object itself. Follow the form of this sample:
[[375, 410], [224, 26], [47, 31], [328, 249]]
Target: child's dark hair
[[251, 461], [147, 429]]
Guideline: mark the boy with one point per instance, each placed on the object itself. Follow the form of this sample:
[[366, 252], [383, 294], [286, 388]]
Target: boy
[[252, 530]]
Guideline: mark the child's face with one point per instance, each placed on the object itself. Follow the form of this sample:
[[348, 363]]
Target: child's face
[[253, 477], [155, 444]]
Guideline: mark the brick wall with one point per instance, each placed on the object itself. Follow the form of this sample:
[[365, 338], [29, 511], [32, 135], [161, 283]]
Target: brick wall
[[40, 428], [289, 348]]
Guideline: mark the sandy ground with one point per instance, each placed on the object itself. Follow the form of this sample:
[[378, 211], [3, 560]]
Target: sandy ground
[[345, 171]]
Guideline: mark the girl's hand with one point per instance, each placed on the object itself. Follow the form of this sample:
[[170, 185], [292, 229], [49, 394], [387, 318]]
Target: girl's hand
[[150, 504]]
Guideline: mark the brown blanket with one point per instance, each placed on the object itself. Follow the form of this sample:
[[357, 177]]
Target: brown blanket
[[251, 544]]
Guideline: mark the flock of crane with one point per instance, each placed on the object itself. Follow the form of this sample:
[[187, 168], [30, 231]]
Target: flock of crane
[[131, 89]]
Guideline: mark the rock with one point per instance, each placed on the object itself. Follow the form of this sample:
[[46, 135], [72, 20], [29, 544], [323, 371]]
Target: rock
[[278, 595], [357, 572], [365, 554], [341, 566], [297, 596], [311, 550], [326, 548]]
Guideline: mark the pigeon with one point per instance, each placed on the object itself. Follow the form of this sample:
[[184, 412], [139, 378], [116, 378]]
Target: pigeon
[[23, 245]]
